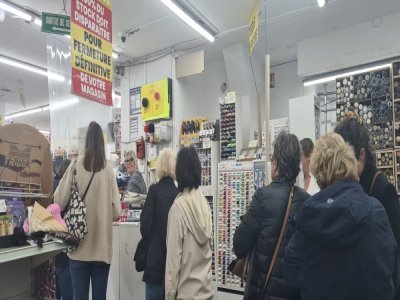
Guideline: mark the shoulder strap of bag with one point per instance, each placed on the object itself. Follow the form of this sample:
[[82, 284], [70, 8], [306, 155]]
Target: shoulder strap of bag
[[373, 181], [278, 244], [87, 188]]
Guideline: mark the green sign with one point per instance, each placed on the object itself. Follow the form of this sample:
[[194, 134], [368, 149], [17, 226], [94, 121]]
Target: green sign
[[57, 24]]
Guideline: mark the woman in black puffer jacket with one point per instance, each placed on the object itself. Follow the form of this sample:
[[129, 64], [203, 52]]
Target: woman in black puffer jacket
[[260, 228]]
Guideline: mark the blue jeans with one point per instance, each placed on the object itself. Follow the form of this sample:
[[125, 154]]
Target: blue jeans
[[64, 283], [82, 272], [154, 292]]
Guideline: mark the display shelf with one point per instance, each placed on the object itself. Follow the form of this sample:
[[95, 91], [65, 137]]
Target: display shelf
[[235, 189], [396, 76], [23, 195], [385, 167], [232, 288], [15, 253]]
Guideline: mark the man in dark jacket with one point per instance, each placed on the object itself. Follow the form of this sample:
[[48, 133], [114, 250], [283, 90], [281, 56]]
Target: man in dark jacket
[[259, 231], [343, 247]]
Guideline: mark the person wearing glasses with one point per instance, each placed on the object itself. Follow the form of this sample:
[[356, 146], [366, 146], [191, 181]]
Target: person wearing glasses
[[136, 182], [343, 247], [305, 179], [258, 233]]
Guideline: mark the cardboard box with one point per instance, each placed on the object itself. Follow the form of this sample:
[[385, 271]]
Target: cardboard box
[[25, 160]]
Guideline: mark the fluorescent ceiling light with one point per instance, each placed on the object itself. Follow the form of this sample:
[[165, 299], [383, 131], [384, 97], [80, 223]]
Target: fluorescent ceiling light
[[321, 3], [38, 22], [15, 11], [187, 19], [54, 106], [334, 77], [26, 112], [31, 68]]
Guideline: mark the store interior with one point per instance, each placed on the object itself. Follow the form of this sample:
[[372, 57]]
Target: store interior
[[325, 58]]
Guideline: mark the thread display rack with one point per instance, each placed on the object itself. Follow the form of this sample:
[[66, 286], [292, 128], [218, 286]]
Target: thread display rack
[[235, 190]]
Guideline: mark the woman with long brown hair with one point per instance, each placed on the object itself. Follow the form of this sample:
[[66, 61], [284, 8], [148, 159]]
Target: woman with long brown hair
[[95, 179]]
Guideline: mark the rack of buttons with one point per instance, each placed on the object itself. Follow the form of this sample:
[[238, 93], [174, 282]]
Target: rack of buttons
[[385, 163], [369, 95], [235, 190]]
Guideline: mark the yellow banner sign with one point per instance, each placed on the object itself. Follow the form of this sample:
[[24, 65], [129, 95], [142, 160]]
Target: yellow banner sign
[[253, 27]]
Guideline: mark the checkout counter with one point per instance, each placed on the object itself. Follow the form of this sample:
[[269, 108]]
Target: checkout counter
[[124, 282]]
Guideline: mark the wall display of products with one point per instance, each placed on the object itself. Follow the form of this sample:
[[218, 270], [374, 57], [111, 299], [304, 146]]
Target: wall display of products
[[190, 130], [210, 200], [260, 179], [385, 164], [369, 95], [397, 157], [235, 190], [396, 101], [205, 159], [228, 128]]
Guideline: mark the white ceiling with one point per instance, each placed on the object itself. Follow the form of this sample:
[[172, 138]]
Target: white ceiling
[[289, 22]]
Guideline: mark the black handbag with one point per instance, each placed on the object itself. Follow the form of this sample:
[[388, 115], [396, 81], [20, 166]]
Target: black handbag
[[141, 255]]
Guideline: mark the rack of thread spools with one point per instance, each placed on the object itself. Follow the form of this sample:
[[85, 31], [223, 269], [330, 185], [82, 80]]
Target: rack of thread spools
[[396, 117], [370, 95]]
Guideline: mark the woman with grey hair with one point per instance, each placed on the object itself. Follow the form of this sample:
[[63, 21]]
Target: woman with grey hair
[[259, 232], [136, 182]]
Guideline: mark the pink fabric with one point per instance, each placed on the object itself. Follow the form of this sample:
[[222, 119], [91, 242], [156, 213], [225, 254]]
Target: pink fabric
[[55, 210]]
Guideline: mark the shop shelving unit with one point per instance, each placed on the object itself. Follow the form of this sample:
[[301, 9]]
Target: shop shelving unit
[[235, 189], [385, 162], [230, 127], [209, 157], [371, 96]]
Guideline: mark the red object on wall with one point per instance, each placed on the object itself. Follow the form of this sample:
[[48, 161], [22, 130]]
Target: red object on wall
[[140, 148]]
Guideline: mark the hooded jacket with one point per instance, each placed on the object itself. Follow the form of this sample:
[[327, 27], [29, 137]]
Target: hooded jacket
[[343, 247], [188, 267]]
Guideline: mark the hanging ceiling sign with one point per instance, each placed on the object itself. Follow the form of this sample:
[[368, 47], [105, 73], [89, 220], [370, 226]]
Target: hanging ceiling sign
[[91, 50], [253, 27], [57, 24]]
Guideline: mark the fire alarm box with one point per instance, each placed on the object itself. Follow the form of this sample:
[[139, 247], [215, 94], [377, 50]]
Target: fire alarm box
[[156, 100], [140, 149]]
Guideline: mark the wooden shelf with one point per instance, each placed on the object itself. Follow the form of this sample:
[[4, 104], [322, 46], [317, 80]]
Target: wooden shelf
[[396, 76], [384, 167], [396, 100]]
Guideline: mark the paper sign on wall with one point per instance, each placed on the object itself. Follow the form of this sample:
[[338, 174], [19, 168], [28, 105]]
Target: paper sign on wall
[[91, 50]]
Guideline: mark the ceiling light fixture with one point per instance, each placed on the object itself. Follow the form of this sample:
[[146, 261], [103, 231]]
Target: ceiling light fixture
[[26, 112], [334, 77], [38, 22], [321, 3], [31, 68], [54, 106], [16, 11], [187, 19]]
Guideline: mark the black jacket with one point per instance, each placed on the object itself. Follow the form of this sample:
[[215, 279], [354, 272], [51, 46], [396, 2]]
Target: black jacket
[[343, 247], [259, 233], [386, 193], [153, 226]]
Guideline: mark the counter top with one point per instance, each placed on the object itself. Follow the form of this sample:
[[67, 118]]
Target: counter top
[[15, 253], [127, 224]]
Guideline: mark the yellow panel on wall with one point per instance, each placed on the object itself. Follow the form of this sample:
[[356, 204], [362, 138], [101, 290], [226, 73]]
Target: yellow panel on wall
[[156, 100]]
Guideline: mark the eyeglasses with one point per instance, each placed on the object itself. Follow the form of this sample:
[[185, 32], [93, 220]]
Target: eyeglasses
[[128, 160]]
